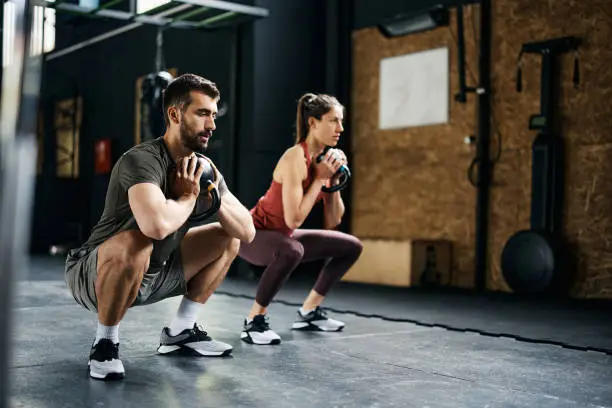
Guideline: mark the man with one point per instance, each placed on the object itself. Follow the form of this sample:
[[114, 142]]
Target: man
[[144, 249]]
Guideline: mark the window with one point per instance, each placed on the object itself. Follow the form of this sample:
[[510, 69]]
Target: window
[[142, 6], [43, 32]]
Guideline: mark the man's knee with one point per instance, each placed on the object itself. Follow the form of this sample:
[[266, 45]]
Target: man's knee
[[129, 251], [232, 248]]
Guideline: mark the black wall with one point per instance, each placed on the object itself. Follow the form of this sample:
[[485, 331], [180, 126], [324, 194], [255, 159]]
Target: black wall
[[287, 61], [104, 75], [279, 58], [303, 46]]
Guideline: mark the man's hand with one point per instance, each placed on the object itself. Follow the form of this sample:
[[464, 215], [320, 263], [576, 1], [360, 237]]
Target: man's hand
[[187, 178]]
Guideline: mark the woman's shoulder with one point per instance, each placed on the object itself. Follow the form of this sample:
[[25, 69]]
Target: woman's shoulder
[[294, 154], [291, 159]]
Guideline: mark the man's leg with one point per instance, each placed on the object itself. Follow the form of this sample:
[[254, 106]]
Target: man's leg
[[341, 251], [119, 266], [122, 262], [207, 253]]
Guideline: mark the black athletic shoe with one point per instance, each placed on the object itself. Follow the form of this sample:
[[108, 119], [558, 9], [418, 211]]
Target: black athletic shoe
[[317, 320], [193, 340], [258, 332], [104, 363]]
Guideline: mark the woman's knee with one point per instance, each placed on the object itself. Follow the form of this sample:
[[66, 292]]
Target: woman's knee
[[291, 250], [356, 245], [349, 244]]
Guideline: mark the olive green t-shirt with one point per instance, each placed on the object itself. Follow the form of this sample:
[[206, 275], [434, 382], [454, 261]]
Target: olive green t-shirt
[[148, 162]]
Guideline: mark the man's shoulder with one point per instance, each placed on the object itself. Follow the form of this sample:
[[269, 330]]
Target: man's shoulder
[[149, 148], [149, 152], [143, 160]]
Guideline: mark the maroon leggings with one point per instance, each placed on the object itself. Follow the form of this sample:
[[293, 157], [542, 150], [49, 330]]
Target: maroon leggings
[[281, 254]]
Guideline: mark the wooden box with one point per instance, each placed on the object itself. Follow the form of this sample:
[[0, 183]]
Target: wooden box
[[405, 263]]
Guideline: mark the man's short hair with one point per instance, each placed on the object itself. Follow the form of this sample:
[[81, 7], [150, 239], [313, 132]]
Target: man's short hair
[[178, 93]]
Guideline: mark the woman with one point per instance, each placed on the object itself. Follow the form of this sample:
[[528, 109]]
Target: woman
[[279, 244]]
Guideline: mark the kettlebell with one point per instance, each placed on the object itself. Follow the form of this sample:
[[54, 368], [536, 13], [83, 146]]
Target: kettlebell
[[343, 171], [207, 185]]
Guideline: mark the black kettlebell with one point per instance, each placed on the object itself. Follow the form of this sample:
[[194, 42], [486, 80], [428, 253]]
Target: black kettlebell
[[207, 185], [343, 171]]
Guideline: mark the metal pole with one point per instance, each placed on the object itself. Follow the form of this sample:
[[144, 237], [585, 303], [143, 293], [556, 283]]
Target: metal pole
[[234, 108], [483, 147], [20, 91]]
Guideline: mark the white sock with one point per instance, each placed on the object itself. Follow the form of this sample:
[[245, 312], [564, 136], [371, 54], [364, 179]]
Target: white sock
[[185, 316], [305, 312], [107, 332]]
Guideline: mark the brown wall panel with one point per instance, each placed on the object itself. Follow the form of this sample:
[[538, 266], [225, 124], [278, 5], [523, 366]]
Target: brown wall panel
[[412, 183]]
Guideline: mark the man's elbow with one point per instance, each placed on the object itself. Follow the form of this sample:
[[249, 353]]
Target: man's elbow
[[155, 230], [249, 234]]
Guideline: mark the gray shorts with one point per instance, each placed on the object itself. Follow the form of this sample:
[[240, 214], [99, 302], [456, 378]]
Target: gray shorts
[[157, 284]]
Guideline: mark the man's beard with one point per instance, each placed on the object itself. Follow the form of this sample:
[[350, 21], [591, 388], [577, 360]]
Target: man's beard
[[191, 140]]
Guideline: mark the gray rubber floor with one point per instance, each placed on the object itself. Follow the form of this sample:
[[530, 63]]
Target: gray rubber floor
[[372, 363], [575, 323]]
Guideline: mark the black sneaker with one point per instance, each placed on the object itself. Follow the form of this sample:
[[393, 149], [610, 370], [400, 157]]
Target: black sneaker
[[258, 332], [317, 320], [193, 340], [104, 363]]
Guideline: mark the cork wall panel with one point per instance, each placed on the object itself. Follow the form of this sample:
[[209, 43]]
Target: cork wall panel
[[586, 121], [412, 182]]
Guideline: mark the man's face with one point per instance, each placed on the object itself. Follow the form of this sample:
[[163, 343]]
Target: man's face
[[198, 121]]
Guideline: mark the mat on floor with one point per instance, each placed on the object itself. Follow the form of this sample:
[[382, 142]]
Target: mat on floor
[[574, 324]]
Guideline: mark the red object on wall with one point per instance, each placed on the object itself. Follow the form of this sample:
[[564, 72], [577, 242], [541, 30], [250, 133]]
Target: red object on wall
[[103, 156]]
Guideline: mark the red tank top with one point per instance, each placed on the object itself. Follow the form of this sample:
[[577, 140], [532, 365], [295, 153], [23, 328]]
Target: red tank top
[[268, 213]]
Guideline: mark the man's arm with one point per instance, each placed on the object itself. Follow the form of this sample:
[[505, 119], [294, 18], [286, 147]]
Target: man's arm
[[233, 216], [156, 216], [141, 174]]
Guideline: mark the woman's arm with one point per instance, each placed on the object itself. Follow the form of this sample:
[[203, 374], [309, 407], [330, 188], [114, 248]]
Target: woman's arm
[[333, 203], [296, 204], [333, 209]]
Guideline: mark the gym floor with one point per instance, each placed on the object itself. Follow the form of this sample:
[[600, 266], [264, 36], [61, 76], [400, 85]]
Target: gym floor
[[399, 349]]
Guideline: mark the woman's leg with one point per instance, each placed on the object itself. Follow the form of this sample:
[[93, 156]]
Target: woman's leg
[[281, 255], [341, 251]]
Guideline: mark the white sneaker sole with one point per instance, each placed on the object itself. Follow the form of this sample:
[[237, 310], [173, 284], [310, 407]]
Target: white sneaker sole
[[204, 353], [310, 326], [105, 376], [244, 336]]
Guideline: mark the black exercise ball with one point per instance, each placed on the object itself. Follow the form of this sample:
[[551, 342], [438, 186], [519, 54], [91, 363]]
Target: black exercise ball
[[529, 262]]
